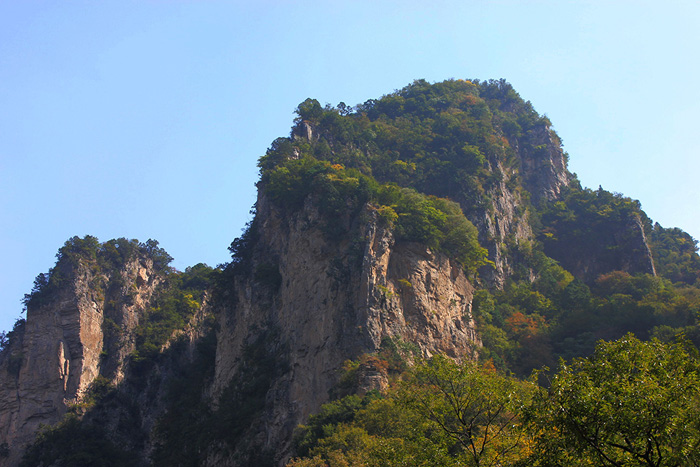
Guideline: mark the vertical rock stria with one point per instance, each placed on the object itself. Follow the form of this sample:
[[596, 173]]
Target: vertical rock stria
[[335, 301], [63, 347]]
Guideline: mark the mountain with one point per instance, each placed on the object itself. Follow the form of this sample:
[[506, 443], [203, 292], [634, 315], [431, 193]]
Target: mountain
[[439, 219]]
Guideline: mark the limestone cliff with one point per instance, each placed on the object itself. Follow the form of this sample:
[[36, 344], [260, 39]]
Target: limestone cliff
[[64, 346], [333, 301], [543, 164], [542, 172]]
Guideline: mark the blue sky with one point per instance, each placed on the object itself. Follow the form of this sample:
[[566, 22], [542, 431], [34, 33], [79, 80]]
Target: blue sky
[[145, 119]]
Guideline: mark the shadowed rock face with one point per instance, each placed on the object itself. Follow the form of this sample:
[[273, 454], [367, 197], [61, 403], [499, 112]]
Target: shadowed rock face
[[63, 348], [626, 250], [337, 300]]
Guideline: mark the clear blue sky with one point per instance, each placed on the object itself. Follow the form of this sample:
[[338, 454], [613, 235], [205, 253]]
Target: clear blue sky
[[145, 119]]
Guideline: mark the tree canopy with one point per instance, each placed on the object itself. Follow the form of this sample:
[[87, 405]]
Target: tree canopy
[[630, 403]]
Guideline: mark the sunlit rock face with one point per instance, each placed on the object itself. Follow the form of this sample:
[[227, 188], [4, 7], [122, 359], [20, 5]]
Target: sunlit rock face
[[64, 346], [335, 300]]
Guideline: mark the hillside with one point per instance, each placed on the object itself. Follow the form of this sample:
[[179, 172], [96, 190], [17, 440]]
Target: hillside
[[438, 220]]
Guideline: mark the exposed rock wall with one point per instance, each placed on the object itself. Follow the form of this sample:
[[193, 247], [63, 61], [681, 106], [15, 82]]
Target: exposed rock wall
[[507, 221], [542, 171], [543, 164], [63, 348], [338, 299]]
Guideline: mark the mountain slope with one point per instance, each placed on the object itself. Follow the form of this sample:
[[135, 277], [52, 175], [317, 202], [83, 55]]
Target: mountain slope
[[438, 219]]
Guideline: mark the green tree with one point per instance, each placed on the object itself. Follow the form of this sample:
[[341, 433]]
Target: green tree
[[631, 403], [309, 110], [477, 408]]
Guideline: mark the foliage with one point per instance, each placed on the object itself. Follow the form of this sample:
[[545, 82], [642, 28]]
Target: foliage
[[534, 321], [404, 151], [477, 409], [631, 403], [675, 255], [323, 423], [408, 152], [75, 444], [593, 232], [11, 347], [172, 309], [439, 140], [439, 414], [101, 258], [241, 249], [436, 222], [8, 339], [530, 325]]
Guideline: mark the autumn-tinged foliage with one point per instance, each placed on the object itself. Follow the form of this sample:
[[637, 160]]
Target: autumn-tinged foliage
[[631, 403], [438, 414]]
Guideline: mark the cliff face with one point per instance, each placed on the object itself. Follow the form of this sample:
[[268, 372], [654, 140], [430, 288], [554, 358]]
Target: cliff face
[[542, 172], [543, 164], [334, 301], [627, 249], [63, 348], [595, 232]]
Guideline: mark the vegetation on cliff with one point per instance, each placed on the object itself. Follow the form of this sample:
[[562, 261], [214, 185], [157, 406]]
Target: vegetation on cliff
[[456, 139], [590, 287], [439, 139], [595, 268]]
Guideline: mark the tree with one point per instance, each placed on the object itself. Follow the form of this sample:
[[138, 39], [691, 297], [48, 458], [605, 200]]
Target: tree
[[310, 110], [631, 403], [478, 409]]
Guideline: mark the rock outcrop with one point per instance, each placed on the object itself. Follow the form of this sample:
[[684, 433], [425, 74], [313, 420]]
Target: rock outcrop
[[543, 164], [335, 300], [627, 249], [542, 171], [63, 348]]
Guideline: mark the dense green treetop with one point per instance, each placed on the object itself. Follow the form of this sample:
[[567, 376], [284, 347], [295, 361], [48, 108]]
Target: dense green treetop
[[437, 138], [676, 255], [630, 403], [100, 257]]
